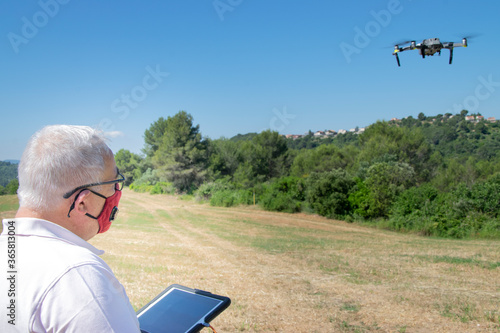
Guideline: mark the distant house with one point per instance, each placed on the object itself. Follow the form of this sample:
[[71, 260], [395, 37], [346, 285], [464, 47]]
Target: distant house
[[330, 133], [491, 119], [342, 131], [293, 136], [319, 133], [470, 118]]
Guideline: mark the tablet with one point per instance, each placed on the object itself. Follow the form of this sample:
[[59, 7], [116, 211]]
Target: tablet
[[180, 309]]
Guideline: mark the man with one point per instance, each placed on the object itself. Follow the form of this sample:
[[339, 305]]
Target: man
[[52, 279]]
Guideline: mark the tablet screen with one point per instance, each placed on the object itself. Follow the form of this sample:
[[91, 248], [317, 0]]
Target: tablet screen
[[179, 309]]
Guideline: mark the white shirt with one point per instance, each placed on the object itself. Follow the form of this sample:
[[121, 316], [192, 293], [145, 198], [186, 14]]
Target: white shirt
[[54, 281]]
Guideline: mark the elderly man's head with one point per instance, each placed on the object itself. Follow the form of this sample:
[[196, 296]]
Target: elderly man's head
[[57, 159]]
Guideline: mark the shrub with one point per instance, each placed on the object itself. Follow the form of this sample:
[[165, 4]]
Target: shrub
[[207, 190], [462, 213], [359, 200], [141, 188], [162, 188], [229, 198], [284, 195], [328, 193], [414, 199]]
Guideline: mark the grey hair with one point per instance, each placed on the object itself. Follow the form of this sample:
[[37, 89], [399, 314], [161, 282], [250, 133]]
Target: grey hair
[[57, 159]]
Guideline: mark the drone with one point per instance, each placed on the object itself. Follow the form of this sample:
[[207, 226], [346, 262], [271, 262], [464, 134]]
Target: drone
[[428, 47]]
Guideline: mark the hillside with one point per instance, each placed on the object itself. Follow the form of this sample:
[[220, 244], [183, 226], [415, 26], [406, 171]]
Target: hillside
[[449, 134]]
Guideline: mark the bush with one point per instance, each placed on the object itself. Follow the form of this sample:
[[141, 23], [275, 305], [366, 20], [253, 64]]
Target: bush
[[359, 200], [149, 177], [328, 193], [414, 199], [281, 202], [229, 198], [284, 195], [207, 190], [162, 188], [463, 213], [141, 188], [157, 188]]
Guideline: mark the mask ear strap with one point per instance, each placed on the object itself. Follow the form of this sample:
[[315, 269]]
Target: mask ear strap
[[72, 207], [74, 201]]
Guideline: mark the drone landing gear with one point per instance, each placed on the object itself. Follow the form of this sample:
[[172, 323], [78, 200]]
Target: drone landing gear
[[397, 59], [451, 55]]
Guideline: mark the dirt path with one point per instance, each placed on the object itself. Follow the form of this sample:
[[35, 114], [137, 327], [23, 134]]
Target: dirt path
[[334, 277]]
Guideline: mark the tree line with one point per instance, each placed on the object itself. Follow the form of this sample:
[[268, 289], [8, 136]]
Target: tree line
[[8, 178], [435, 175]]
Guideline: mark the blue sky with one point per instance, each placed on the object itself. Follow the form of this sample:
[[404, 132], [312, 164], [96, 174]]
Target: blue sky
[[238, 66]]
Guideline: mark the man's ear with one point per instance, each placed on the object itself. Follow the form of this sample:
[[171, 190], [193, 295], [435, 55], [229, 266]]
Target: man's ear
[[81, 202]]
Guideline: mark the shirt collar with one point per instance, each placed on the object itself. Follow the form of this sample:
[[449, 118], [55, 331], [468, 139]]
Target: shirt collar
[[27, 226]]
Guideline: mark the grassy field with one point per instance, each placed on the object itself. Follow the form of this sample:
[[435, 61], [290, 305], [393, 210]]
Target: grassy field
[[301, 273]]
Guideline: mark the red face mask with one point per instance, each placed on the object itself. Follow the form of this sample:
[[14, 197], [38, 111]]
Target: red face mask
[[108, 212]]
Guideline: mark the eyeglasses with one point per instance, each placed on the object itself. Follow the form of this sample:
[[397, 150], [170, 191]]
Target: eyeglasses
[[118, 186]]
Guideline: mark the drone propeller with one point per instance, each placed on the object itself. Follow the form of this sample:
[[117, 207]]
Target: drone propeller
[[471, 36], [402, 42]]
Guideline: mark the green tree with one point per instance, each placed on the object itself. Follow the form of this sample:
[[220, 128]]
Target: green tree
[[323, 158], [481, 127], [224, 158], [265, 157], [409, 145], [8, 171], [270, 154], [385, 181], [12, 187], [153, 137], [180, 156], [129, 165]]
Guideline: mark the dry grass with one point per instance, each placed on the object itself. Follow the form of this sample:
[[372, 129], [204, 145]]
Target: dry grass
[[302, 273]]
